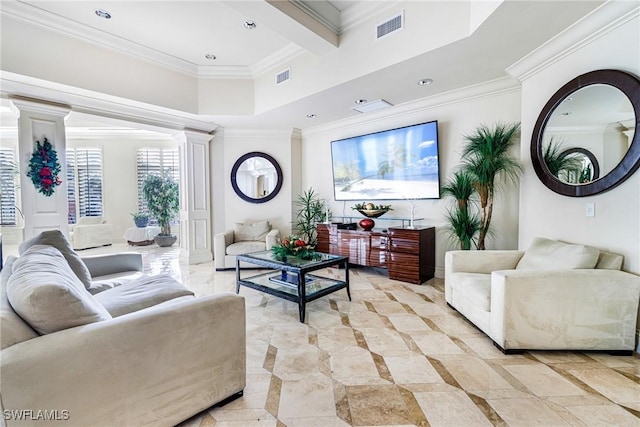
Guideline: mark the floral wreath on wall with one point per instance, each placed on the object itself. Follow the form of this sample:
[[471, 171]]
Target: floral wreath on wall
[[44, 168]]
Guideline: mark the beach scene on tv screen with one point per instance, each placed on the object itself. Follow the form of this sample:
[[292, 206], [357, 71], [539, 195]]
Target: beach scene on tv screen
[[390, 165]]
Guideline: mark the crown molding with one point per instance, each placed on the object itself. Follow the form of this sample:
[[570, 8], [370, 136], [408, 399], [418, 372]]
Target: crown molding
[[154, 117], [361, 11], [224, 72], [33, 15], [420, 106], [277, 59], [593, 26], [50, 21], [258, 133], [300, 4]]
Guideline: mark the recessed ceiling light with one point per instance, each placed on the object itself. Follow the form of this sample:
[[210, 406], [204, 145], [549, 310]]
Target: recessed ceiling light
[[360, 101], [103, 13], [210, 56], [311, 116], [425, 82], [250, 25]]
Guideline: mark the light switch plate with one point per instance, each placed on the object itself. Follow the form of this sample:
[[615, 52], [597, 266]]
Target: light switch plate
[[590, 210]]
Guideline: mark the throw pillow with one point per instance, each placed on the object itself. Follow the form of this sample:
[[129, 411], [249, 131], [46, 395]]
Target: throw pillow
[[251, 232], [45, 292], [545, 254], [609, 261], [141, 293], [56, 239]]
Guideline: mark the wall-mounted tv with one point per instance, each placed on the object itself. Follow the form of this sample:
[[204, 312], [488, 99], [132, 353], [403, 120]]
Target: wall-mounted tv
[[393, 164]]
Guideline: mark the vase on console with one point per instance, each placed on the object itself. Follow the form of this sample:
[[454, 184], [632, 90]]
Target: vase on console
[[367, 224]]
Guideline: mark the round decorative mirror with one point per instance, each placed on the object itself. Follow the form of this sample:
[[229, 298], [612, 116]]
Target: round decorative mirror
[[585, 140], [574, 166], [256, 177]]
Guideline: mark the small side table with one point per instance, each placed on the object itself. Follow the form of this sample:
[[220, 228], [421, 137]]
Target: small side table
[[141, 236]]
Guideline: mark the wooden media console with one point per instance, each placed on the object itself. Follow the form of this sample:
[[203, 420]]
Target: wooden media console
[[408, 254]]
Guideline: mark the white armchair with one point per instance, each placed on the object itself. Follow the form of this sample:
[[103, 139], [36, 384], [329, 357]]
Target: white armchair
[[554, 296], [91, 232], [244, 238]]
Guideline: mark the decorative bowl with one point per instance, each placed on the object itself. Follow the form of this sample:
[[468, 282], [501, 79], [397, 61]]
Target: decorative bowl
[[373, 213]]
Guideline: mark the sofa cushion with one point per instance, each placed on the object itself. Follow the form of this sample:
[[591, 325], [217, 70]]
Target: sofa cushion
[[475, 287], [546, 254], [609, 261], [45, 292], [113, 280], [12, 328], [250, 232], [245, 247], [56, 239], [141, 293]]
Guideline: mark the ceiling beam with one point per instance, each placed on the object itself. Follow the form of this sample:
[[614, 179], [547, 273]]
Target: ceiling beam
[[290, 21]]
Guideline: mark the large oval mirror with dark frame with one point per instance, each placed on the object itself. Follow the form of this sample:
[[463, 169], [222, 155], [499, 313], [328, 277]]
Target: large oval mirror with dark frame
[[585, 140], [256, 177]]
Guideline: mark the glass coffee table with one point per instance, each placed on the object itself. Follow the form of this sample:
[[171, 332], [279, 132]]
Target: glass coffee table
[[288, 274]]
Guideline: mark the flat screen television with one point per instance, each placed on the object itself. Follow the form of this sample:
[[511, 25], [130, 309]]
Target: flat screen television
[[393, 164]]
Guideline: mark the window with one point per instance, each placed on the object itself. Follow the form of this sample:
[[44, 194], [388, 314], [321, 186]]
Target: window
[[158, 161], [8, 170], [84, 182]]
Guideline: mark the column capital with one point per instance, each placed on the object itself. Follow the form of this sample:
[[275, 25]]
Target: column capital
[[20, 104], [193, 135]]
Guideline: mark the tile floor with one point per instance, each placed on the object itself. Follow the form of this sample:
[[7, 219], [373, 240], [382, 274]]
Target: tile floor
[[396, 355]]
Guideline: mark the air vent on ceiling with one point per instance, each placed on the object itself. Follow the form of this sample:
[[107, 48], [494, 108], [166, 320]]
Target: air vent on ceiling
[[391, 25], [283, 76]]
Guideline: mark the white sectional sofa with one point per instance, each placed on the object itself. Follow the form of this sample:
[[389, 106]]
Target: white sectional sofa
[[554, 296], [97, 343]]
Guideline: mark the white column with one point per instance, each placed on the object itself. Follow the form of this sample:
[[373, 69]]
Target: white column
[[36, 121], [195, 196]]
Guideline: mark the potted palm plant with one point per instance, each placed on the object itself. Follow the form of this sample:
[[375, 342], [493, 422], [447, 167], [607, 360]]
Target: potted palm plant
[[462, 217], [488, 156], [161, 194]]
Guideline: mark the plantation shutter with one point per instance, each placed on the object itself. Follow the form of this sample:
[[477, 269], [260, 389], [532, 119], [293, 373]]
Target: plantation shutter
[[89, 161], [7, 187], [84, 189], [155, 161], [71, 185]]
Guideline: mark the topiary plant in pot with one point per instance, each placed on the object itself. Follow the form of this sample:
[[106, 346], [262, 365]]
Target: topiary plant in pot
[[161, 194]]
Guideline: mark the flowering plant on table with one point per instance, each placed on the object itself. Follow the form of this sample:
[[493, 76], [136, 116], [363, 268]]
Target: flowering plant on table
[[292, 246]]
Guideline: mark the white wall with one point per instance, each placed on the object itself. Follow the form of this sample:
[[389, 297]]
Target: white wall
[[616, 225], [457, 114], [230, 145]]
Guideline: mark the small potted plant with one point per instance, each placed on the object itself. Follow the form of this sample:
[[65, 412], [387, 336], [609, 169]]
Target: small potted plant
[[161, 194], [141, 219]]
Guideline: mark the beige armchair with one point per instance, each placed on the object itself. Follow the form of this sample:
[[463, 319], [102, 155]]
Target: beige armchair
[[553, 296], [91, 232], [244, 238]]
